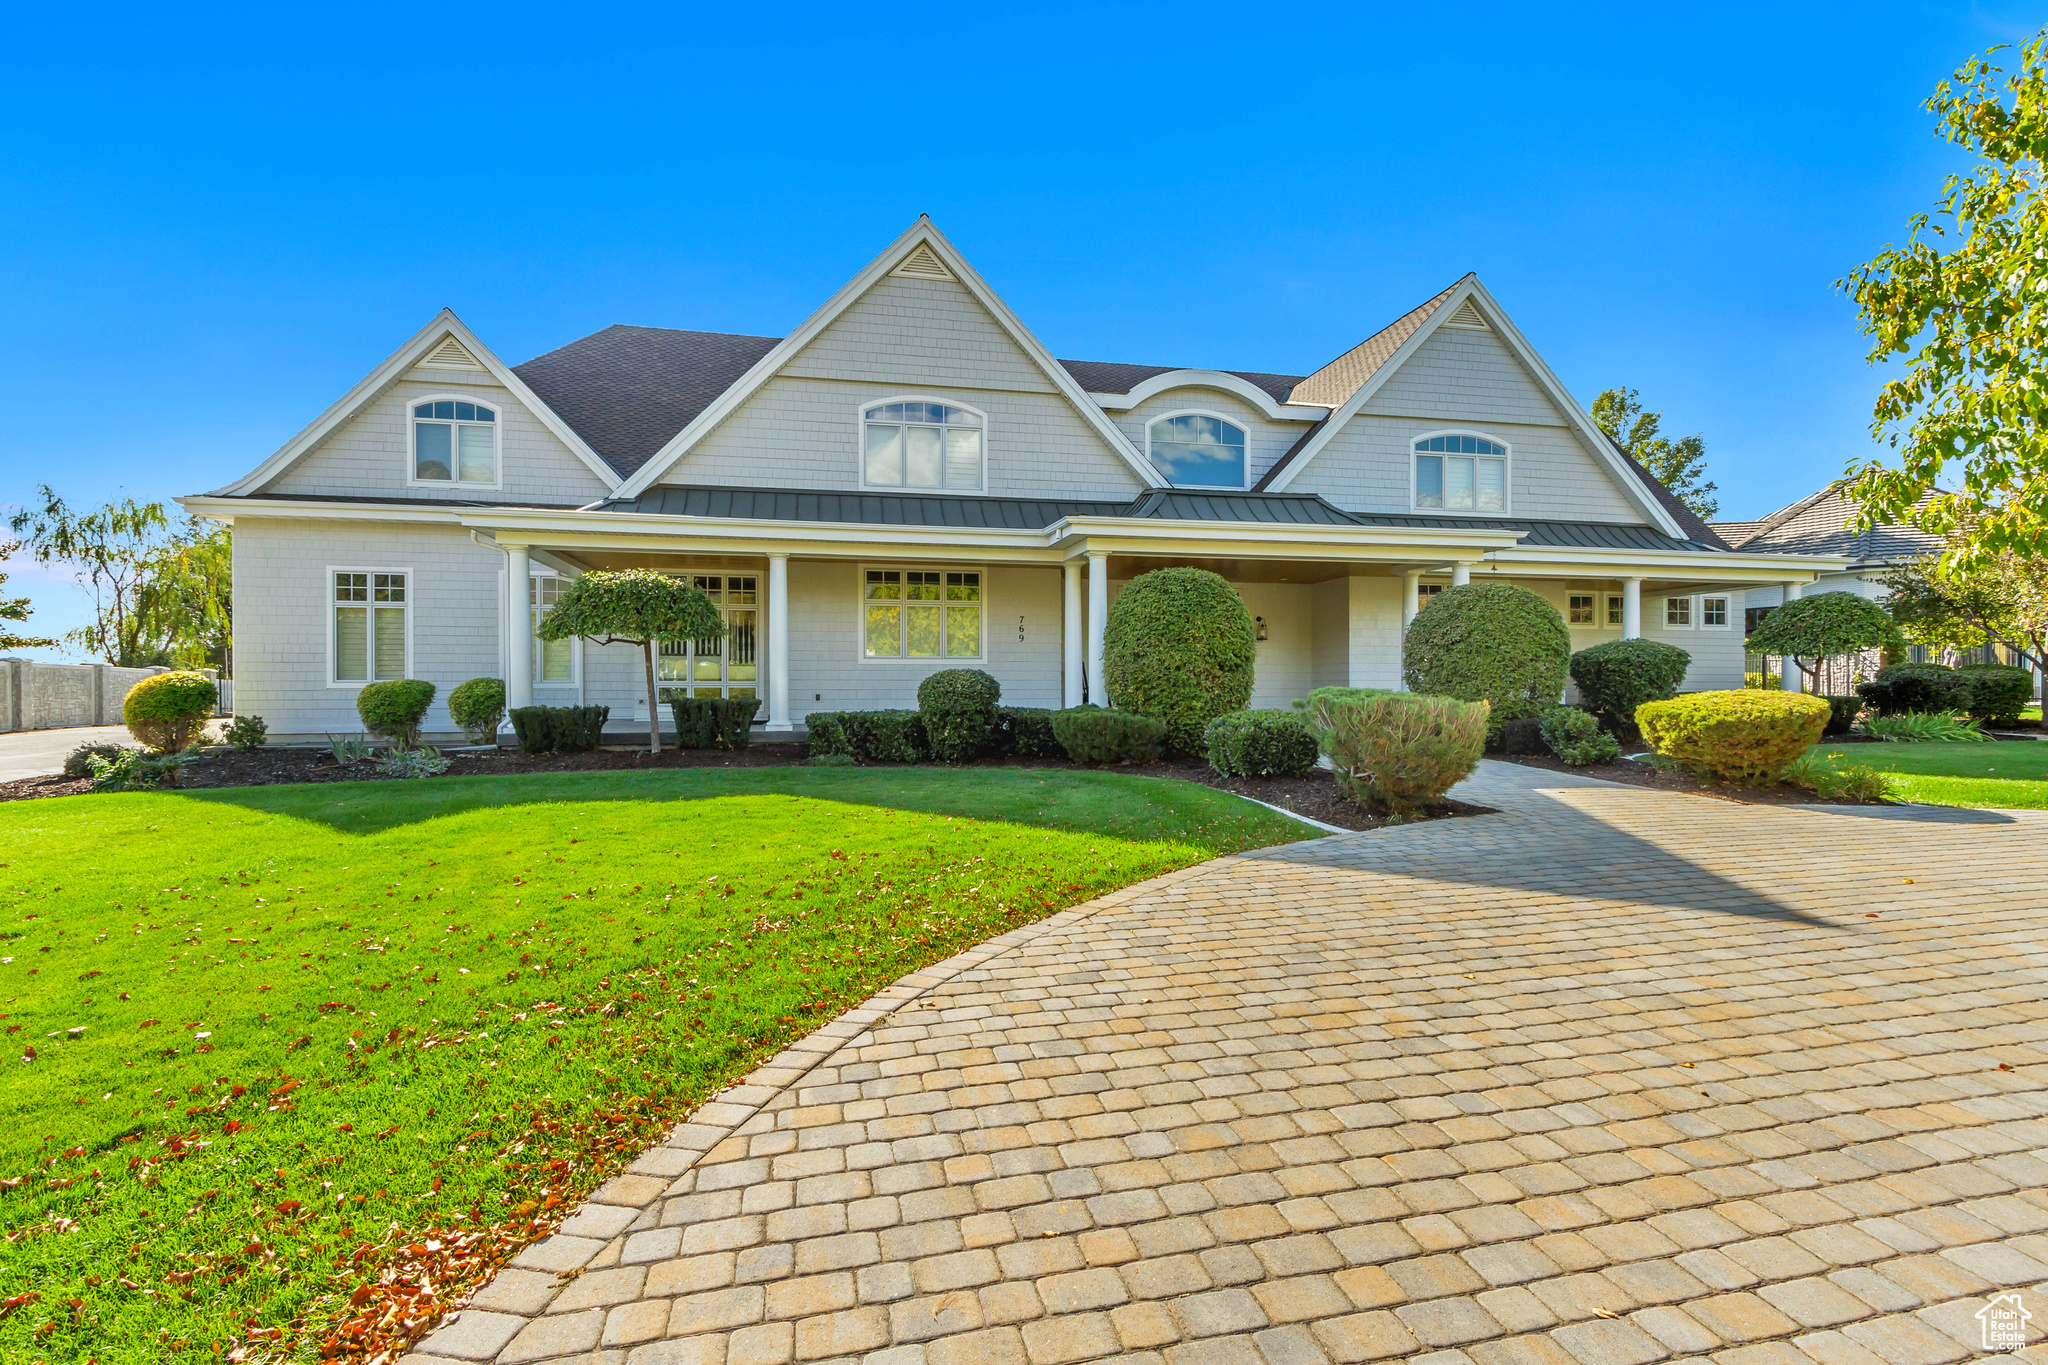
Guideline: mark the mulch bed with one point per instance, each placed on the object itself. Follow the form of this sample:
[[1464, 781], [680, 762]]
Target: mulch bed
[[1315, 795], [1676, 780]]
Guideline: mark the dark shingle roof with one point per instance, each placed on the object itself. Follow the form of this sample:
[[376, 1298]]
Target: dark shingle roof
[[628, 390], [1169, 504], [1110, 376], [1818, 525], [1687, 519]]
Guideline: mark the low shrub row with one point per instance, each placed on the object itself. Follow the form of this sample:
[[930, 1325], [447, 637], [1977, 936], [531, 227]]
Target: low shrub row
[[559, 729], [714, 722], [1259, 744], [1993, 694]]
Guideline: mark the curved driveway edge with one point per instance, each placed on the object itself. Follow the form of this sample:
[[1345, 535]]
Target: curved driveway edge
[[1615, 1075]]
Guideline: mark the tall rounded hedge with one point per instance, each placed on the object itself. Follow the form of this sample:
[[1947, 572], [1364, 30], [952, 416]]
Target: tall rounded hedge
[[168, 711], [958, 706], [1617, 677], [1491, 642], [1179, 647]]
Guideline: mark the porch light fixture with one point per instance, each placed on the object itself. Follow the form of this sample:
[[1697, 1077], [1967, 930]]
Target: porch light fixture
[[1258, 627]]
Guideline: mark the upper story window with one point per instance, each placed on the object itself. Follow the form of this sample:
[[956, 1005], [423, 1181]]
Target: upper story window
[[1461, 474], [454, 442], [922, 445], [1194, 450]]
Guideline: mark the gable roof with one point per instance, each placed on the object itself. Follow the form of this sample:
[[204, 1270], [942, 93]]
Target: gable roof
[[1688, 520], [628, 390], [1818, 524], [1330, 386]]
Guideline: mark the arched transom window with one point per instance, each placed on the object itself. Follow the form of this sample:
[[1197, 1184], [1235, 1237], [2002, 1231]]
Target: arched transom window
[[1461, 474], [922, 445], [1194, 450], [454, 442]]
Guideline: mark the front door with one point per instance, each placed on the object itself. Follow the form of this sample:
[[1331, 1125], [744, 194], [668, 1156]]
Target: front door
[[718, 668]]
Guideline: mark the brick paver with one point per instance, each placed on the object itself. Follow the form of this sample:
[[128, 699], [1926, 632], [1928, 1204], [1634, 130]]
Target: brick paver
[[1612, 1075]]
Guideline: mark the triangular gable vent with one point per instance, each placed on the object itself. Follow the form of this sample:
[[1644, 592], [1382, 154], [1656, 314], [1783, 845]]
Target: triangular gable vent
[[1467, 316], [923, 264], [450, 355]]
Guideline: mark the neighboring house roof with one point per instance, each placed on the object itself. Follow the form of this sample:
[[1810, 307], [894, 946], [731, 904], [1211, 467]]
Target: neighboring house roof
[[1818, 524], [1110, 376], [1167, 504], [627, 390]]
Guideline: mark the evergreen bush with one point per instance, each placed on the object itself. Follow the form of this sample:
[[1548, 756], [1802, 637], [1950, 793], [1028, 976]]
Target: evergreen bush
[[477, 706], [1490, 642], [1260, 744], [1997, 692], [1179, 646], [1091, 734], [1616, 677], [559, 729], [168, 712], [1026, 731], [869, 736], [1741, 737], [1842, 713], [1396, 752], [247, 732], [1575, 736], [78, 763], [714, 722], [958, 706], [395, 709], [1899, 688]]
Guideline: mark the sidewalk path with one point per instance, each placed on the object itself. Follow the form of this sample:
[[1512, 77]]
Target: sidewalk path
[[1614, 1076]]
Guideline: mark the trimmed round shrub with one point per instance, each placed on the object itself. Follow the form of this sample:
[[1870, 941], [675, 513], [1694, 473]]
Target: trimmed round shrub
[[1091, 734], [395, 709], [1179, 646], [1997, 692], [1899, 688], [477, 706], [1398, 751], [959, 710], [1575, 736], [169, 711], [1490, 642], [1739, 737], [1617, 677], [1259, 744]]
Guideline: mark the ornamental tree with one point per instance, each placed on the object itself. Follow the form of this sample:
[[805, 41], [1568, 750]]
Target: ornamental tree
[[1810, 630], [1999, 598], [634, 606], [1963, 300]]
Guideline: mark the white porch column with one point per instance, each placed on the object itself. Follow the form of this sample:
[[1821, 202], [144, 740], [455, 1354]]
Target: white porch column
[[518, 628], [1790, 679], [1411, 590], [778, 642], [1631, 608], [1461, 574], [1073, 675], [1098, 617]]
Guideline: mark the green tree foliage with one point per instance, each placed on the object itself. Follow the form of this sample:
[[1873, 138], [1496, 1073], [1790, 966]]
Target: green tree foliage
[[184, 602], [1491, 642], [111, 550], [1815, 628], [15, 609], [1179, 646], [1962, 301], [1996, 598], [634, 606], [1680, 465]]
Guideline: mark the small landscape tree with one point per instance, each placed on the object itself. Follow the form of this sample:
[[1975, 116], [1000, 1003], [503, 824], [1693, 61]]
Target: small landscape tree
[[15, 609], [1813, 629], [634, 606]]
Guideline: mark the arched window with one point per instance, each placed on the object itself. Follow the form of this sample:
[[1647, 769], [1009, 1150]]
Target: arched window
[[1195, 450], [454, 442], [1461, 474], [922, 445]]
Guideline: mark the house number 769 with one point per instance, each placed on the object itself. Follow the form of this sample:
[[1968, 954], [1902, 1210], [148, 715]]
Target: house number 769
[[1020, 630]]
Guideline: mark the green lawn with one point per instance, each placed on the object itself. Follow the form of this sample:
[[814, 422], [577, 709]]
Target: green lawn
[[339, 1037], [2013, 774]]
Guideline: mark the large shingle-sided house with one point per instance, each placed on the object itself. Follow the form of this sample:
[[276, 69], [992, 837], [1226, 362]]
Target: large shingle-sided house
[[909, 481]]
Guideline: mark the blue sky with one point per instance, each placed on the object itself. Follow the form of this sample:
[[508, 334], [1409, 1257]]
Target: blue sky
[[212, 223]]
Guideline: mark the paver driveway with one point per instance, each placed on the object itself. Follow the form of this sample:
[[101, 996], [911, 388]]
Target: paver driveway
[[1613, 1076]]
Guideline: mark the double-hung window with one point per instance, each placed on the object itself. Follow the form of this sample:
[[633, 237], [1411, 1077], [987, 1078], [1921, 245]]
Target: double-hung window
[[554, 661], [454, 442], [1614, 610], [934, 446], [1713, 613], [369, 626], [921, 613], [1461, 474]]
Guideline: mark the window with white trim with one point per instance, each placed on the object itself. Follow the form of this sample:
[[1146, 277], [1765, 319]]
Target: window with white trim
[[1461, 474], [454, 441], [921, 445], [1678, 613], [1425, 593], [554, 661], [1195, 450], [921, 613], [1580, 611], [1713, 613], [727, 665], [1614, 610], [369, 626]]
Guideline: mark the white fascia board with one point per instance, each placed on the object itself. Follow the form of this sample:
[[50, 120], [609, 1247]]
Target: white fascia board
[[1694, 563], [624, 529], [221, 508], [1210, 379], [1603, 450], [395, 365], [786, 350], [1204, 536]]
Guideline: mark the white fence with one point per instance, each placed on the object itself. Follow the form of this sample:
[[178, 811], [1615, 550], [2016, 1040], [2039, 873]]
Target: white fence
[[40, 696]]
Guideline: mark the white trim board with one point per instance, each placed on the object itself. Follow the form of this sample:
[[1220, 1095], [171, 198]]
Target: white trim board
[[921, 233], [1211, 379]]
